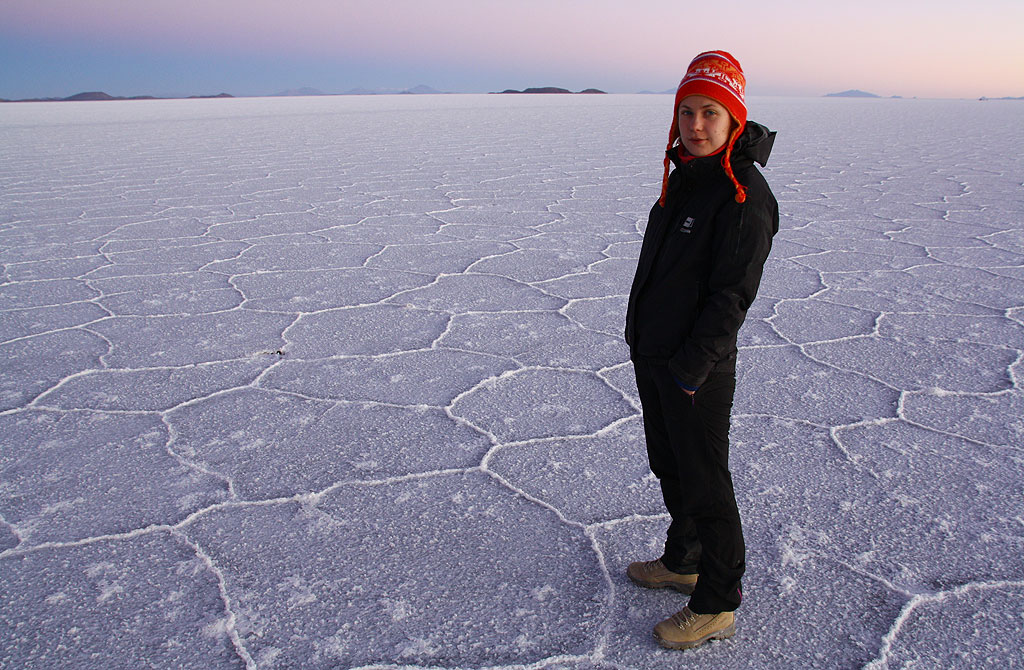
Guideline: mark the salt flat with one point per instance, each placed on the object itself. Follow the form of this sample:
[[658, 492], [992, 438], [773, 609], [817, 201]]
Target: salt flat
[[340, 383]]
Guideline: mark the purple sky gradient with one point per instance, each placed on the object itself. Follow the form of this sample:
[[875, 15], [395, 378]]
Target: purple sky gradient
[[934, 48]]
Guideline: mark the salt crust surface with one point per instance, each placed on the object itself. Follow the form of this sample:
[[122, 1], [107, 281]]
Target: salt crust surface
[[339, 383]]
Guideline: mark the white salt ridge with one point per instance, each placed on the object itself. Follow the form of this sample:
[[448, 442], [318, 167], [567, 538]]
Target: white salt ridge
[[336, 382]]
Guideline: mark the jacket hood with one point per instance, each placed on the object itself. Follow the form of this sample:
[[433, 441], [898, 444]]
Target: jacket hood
[[754, 145]]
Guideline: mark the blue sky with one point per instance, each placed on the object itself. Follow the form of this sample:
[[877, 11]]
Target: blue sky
[[254, 47]]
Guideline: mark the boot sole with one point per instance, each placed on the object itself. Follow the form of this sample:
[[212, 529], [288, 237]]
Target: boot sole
[[723, 634], [685, 589]]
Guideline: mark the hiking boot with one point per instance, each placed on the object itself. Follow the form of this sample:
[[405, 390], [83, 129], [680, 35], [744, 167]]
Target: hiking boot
[[686, 629], [654, 575]]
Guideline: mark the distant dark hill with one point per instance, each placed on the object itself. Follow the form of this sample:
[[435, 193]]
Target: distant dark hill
[[852, 93], [549, 89], [90, 95], [100, 95]]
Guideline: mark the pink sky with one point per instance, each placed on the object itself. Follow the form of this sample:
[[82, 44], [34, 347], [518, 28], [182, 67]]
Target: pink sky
[[937, 48]]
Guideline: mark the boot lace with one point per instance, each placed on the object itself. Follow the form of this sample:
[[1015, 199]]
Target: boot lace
[[683, 618], [652, 566]]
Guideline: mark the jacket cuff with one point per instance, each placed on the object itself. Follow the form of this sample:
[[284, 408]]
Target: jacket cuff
[[684, 379], [685, 387]]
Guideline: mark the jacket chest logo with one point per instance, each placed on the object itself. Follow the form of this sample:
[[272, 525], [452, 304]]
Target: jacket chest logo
[[687, 226]]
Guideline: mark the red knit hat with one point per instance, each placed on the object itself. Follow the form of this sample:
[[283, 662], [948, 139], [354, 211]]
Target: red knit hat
[[716, 75]]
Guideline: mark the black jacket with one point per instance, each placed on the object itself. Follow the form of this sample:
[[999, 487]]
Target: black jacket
[[701, 261]]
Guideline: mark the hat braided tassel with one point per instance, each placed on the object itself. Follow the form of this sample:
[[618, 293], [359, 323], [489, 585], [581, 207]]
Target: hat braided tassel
[[741, 190]]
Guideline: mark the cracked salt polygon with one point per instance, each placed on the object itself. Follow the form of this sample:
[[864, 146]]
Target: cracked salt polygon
[[992, 419], [150, 389], [179, 293], [367, 330], [114, 469], [314, 290], [963, 623], [137, 341], [949, 541], [433, 377], [477, 293], [193, 253], [105, 604], [533, 265], [53, 269], [36, 321], [958, 366], [788, 279], [599, 314], [276, 445], [458, 568], [532, 404], [806, 321], [785, 382], [554, 470], [538, 338], [610, 276], [437, 258], [320, 255], [36, 363], [44, 292]]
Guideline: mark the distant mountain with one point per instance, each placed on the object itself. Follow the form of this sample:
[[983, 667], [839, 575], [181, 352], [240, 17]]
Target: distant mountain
[[422, 90], [1005, 98], [549, 89], [299, 91], [89, 96], [34, 100], [415, 90], [852, 93]]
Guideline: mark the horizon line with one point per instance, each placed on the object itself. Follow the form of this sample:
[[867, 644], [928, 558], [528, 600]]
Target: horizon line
[[102, 96]]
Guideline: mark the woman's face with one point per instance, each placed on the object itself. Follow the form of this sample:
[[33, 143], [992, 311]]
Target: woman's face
[[704, 125]]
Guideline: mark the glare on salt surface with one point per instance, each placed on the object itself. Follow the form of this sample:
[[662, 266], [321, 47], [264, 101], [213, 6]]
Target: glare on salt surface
[[339, 382]]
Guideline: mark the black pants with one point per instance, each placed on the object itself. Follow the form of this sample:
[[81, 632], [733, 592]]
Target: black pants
[[688, 448]]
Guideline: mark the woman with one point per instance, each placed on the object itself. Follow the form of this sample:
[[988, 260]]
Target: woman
[[706, 242]]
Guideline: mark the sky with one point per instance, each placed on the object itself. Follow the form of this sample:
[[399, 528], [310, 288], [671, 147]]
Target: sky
[[933, 48]]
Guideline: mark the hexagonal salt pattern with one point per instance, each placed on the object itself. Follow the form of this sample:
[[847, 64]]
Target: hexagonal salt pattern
[[340, 383]]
